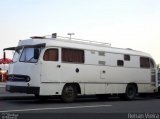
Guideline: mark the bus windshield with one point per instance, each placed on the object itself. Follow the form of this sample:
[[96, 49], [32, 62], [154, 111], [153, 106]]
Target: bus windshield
[[28, 55], [16, 55]]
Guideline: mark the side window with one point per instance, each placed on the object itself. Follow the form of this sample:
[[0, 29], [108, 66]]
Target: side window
[[72, 55], [152, 63], [127, 57], [101, 53], [120, 63], [144, 62], [51, 55]]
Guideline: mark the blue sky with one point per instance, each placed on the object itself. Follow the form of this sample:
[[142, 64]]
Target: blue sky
[[123, 23]]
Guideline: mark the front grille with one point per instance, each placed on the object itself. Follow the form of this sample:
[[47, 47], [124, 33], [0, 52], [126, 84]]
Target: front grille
[[18, 78]]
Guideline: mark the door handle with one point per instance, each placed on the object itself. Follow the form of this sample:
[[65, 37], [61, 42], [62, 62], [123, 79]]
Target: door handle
[[58, 66]]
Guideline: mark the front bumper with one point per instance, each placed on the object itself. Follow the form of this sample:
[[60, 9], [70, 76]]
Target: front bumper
[[23, 89]]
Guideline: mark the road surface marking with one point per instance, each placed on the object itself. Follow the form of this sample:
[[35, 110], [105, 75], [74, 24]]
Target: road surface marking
[[56, 108]]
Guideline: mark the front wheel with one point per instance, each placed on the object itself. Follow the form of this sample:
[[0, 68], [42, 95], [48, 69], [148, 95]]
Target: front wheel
[[69, 93]]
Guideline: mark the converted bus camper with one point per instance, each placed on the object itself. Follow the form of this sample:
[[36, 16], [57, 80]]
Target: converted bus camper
[[69, 67]]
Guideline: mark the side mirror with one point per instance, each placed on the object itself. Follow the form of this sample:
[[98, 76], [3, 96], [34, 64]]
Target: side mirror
[[36, 53], [4, 55]]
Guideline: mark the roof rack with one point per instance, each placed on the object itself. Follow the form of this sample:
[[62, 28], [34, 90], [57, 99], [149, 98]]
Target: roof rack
[[54, 37], [85, 41]]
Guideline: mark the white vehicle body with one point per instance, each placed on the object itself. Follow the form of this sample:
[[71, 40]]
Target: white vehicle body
[[103, 69]]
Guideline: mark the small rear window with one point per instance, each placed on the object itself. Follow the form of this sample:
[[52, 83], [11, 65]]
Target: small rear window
[[144, 62], [127, 57]]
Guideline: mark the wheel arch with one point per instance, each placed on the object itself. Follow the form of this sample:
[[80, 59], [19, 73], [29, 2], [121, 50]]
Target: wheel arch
[[77, 86]]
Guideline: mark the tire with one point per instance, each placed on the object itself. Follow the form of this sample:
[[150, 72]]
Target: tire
[[131, 92], [69, 93]]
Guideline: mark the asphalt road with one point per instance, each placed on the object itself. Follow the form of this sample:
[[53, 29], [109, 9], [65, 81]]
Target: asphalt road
[[83, 107]]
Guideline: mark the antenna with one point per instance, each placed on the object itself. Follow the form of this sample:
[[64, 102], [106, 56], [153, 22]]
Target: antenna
[[70, 34]]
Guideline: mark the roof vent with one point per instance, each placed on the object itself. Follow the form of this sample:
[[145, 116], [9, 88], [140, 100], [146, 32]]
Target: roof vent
[[54, 35]]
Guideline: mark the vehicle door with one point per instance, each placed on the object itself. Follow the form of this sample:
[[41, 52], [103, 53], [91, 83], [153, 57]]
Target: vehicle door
[[50, 71], [153, 71]]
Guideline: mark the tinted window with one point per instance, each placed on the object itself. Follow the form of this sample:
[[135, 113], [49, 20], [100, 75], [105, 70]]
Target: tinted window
[[152, 63], [127, 57], [72, 55], [120, 63], [51, 55], [144, 62], [101, 53]]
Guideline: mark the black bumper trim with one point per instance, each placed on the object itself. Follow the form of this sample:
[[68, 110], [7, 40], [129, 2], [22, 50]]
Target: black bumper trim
[[23, 89]]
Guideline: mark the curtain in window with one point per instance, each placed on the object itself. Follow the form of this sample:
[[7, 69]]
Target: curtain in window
[[72, 55], [51, 55]]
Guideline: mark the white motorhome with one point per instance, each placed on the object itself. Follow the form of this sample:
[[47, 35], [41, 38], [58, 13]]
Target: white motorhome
[[70, 67]]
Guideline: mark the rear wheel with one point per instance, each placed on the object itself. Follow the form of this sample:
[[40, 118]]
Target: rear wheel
[[69, 93], [131, 92]]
